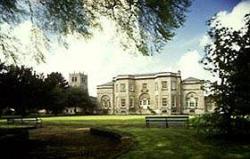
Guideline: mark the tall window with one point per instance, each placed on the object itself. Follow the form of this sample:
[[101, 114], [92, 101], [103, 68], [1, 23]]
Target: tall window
[[83, 80], [117, 101], [116, 87], [131, 102], [131, 88], [123, 102], [156, 101], [164, 102], [173, 85], [164, 84], [123, 87], [144, 86], [173, 101], [74, 79], [191, 101], [156, 86], [191, 104], [186, 104]]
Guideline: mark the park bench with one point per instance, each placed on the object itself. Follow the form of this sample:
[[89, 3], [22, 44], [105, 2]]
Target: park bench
[[18, 119], [166, 121]]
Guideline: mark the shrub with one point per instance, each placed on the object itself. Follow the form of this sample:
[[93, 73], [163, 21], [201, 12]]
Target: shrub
[[215, 125]]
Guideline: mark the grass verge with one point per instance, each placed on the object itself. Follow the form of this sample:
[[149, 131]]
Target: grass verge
[[171, 143]]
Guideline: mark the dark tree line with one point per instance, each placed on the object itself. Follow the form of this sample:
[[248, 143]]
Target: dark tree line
[[24, 90], [228, 57]]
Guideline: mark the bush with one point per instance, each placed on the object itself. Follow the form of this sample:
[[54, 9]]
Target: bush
[[216, 125]]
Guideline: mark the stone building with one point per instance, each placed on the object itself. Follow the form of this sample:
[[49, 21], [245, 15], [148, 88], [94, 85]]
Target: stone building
[[79, 80], [154, 93]]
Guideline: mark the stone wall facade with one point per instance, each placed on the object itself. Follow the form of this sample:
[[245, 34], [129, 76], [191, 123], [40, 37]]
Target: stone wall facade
[[155, 93]]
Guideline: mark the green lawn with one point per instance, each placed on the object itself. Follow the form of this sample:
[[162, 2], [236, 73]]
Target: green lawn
[[170, 143]]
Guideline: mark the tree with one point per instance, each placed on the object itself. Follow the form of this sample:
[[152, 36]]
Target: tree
[[56, 79], [27, 92], [2, 100], [57, 100], [56, 92], [228, 58], [21, 88], [145, 24], [79, 98]]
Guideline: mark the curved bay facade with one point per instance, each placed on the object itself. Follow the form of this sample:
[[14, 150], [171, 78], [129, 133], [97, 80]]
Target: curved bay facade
[[155, 93]]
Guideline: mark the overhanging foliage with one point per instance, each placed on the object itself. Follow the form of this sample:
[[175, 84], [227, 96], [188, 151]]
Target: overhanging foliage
[[144, 25]]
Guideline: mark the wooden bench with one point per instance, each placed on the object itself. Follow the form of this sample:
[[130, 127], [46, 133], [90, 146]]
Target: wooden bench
[[10, 118], [166, 121], [17, 119]]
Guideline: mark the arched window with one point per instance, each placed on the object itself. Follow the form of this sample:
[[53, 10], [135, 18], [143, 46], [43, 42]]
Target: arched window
[[191, 100], [105, 101]]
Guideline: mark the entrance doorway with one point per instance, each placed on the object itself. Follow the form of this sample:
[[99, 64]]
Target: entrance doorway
[[144, 101]]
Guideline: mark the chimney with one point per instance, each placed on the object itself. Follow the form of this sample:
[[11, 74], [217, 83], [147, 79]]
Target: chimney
[[179, 73]]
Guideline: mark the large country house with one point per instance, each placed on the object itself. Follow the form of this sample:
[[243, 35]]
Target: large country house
[[154, 93]]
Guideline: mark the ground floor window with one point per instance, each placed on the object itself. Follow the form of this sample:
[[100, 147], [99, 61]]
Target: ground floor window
[[105, 101], [191, 101], [144, 100], [123, 102], [164, 102], [123, 112], [131, 102], [173, 101]]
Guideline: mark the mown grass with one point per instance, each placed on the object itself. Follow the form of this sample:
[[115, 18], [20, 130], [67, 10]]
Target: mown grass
[[171, 143], [109, 120], [159, 142]]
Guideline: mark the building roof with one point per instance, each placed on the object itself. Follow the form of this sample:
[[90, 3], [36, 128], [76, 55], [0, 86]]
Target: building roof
[[191, 79], [107, 84], [147, 75]]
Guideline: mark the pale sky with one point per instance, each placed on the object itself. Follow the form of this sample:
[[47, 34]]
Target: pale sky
[[102, 58]]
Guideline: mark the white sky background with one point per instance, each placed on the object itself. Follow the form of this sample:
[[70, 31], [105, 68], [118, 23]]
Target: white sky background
[[101, 58]]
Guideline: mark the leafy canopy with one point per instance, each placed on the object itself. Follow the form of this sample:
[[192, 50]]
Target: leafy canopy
[[228, 58], [145, 25]]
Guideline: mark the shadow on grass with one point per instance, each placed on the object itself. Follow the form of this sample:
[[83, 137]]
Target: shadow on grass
[[60, 143]]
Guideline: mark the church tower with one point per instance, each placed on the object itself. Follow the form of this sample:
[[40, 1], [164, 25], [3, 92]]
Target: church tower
[[79, 80]]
